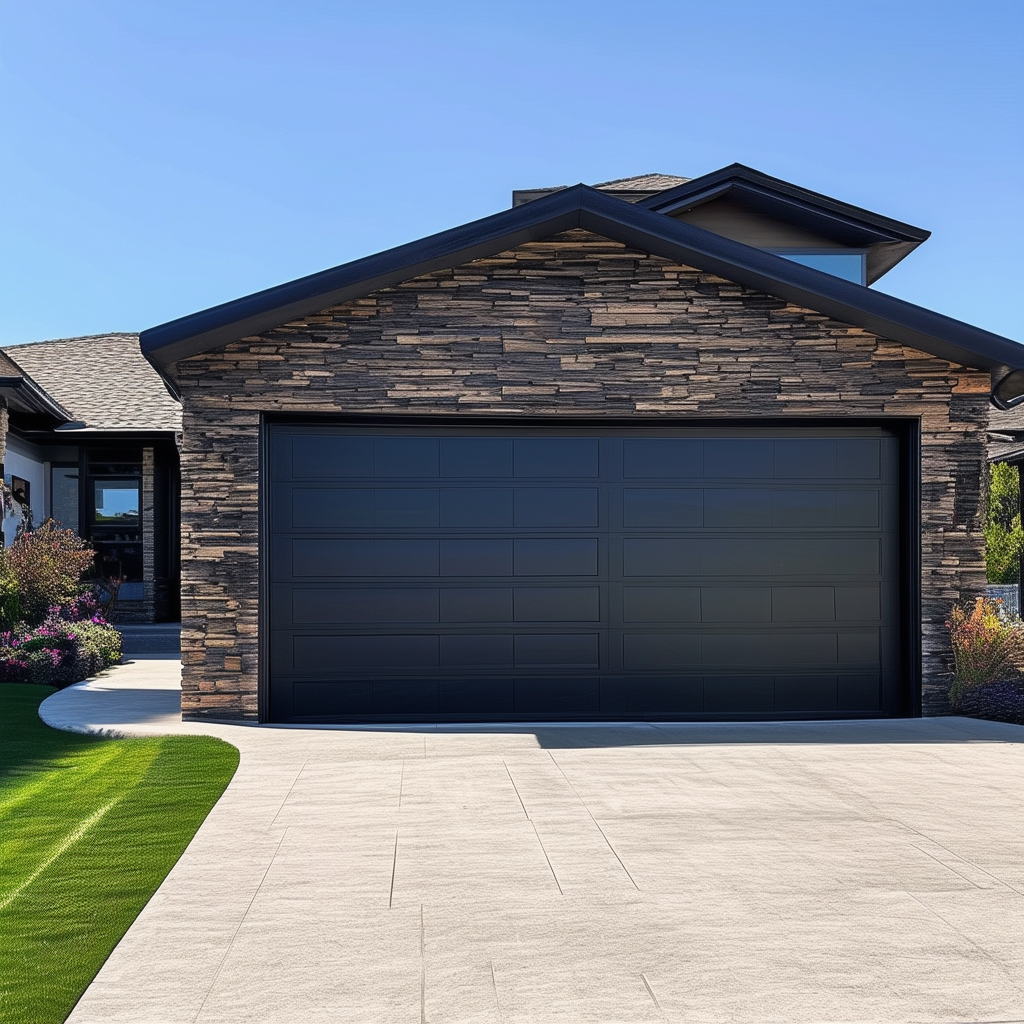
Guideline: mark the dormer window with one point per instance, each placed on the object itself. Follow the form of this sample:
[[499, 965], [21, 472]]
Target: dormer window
[[848, 264]]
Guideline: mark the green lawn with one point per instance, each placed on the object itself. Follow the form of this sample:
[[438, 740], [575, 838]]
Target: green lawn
[[89, 827]]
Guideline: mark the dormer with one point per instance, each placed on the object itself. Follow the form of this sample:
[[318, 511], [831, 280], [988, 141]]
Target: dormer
[[807, 227]]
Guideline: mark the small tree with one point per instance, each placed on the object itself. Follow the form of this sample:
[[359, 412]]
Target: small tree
[[1004, 539], [44, 568]]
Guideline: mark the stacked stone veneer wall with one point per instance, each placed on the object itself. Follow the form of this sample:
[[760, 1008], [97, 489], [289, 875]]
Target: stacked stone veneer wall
[[576, 326]]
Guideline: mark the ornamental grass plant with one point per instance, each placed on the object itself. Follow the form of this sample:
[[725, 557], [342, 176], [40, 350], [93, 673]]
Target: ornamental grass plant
[[988, 660]]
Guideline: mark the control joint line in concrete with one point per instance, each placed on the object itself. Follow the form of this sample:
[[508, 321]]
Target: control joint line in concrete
[[1012, 977], [548, 859], [956, 856], [516, 788], [594, 820], [494, 986], [238, 927], [650, 992], [394, 865], [289, 793]]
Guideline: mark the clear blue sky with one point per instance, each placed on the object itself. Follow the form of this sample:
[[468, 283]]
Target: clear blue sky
[[162, 157]]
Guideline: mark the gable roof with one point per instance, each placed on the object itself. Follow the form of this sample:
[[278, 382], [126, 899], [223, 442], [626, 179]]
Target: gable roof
[[888, 241], [102, 381], [591, 210]]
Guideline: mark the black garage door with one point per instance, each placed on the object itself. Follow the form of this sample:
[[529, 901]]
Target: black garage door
[[500, 573]]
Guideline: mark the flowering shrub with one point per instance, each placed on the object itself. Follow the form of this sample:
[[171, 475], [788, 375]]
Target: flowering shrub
[[54, 642], [42, 568], [61, 651], [986, 648]]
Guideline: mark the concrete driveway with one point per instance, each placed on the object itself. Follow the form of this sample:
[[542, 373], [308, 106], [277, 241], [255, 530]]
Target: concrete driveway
[[778, 872]]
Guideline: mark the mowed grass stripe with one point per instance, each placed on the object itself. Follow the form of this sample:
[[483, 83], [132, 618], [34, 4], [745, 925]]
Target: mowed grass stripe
[[89, 828]]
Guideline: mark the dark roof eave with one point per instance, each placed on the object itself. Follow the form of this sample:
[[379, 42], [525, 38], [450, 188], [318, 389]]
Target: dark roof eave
[[743, 178], [28, 393], [631, 224]]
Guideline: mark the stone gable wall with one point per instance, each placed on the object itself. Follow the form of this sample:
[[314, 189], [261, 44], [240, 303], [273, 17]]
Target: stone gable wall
[[576, 326]]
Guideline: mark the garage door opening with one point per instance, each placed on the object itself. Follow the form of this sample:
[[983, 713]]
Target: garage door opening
[[502, 573]]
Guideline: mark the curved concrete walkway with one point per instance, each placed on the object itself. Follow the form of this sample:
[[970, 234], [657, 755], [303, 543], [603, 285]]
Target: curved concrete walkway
[[765, 873]]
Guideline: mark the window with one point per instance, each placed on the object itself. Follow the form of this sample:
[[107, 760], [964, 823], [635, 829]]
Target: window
[[64, 496], [851, 266], [116, 502]]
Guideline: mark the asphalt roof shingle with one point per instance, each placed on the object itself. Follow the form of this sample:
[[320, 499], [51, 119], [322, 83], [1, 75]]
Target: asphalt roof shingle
[[102, 380]]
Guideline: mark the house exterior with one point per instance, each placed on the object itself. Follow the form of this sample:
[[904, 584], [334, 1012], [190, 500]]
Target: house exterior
[[89, 439], [650, 450]]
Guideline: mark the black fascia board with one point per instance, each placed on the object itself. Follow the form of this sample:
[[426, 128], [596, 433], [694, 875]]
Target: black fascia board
[[629, 223], [240, 318], [750, 182], [31, 398]]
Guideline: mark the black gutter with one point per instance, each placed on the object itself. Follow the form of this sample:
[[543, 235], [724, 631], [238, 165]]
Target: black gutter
[[28, 394], [698, 190], [632, 224]]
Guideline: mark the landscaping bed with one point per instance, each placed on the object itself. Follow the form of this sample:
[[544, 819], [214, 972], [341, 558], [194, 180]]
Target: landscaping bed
[[89, 828]]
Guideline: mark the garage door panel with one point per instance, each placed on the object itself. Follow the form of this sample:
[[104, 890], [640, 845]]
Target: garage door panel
[[739, 458], [558, 457], [804, 604], [568, 556], [739, 694], [736, 650], [806, 694], [660, 652], [654, 696], [851, 556], [463, 605], [805, 458], [801, 507], [741, 507], [859, 509], [860, 649], [859, 693], [329, 700], [484, 557], [489, 696], [340, 654], [557, 604], [477, 650], [575, 696], [405, 457], [668, 458], [345, 605], [557, 650], [739, 604], [661, 556], [405, 697], [859, 458], [500, 572], [331, 456], [806, 649], [476, 508], [476, 457], [662, 508], [569, 508], [736, 556], [661, 604]]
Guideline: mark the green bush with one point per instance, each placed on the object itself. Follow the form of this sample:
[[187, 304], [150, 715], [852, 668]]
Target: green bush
[[100, 639], [45, 567], [1004, 538]]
